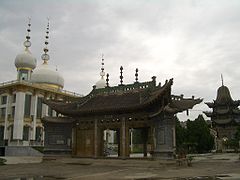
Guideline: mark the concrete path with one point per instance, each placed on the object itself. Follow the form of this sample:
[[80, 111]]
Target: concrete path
[[22, 159], [222, 166]]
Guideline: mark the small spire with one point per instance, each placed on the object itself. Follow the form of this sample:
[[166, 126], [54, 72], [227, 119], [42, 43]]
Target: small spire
[[27, 43], [222, 79], [136, 75], [45, 57], [107, 80], [102, 73], [121, 75]]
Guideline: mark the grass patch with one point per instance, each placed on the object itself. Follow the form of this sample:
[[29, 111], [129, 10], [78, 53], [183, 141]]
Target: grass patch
[[38, 148], [2, 161]]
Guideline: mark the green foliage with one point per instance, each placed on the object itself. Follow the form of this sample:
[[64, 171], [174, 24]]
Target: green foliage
[[195, 137], [237, 135], [139, 136], [2, 161], [232, 144], [137, 149], [181, 133], [38, 148]]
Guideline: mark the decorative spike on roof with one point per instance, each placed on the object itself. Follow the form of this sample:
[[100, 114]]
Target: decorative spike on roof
[[107, 80], [102, 73], [45, 57], [121, 75], [27, 43], [136, 75], [222, 79]]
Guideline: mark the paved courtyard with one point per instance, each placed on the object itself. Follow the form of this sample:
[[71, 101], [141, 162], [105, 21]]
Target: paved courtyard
[[216, 166]]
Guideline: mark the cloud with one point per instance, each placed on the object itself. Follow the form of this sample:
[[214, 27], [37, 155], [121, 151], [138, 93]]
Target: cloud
[[191, 41]]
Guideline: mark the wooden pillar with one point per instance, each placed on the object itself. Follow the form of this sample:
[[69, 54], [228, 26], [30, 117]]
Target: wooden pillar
[[124, 139], [74, 140], [118, 141], [145, 139], [100, 140], [96, 138], [127, 141], [174, 137], [151, 139]]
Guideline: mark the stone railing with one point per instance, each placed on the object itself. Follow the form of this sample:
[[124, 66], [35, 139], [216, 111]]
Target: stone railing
[[40, 86]]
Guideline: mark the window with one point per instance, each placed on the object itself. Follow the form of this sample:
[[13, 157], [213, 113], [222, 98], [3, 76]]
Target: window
[[1, 135], [11, 132], [1, 132], [13, 111], [27, 105], [39, 107], [50, 112], [3, 112], [25, 133], [4, 100], [14, 98], [23, 75], [38, 135]]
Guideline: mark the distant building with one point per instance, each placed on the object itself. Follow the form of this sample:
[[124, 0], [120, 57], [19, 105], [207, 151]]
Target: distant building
[[21, 107], [225, 115]]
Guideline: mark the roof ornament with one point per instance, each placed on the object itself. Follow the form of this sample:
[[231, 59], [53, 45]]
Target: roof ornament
[[102, 73], [107, 80], [45, 57], [136, 75], [121, 75], [27, 43], [222, 79]]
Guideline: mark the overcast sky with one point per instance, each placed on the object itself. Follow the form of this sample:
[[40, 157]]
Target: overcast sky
[[192, 41]]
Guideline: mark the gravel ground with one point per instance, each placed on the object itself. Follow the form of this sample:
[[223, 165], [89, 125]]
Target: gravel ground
[[215, 166]]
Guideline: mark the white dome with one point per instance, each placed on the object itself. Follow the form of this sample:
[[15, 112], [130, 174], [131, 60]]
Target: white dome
[[25, 60], [45, 75], [101, 83]]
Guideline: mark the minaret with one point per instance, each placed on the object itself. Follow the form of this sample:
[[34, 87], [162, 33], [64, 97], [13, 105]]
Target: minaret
[[101, 83], [44, 74], [25, 62]]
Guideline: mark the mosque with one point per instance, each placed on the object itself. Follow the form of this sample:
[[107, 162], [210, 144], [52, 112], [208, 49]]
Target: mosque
[[21, 107], [36, 111]]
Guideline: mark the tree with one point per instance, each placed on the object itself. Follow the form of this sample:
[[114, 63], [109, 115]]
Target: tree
[[198, 133], [237, 135], [180, 136], [196, 137]]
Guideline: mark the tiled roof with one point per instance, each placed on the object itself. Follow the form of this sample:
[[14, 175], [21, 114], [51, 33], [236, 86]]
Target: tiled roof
[[119, 101]]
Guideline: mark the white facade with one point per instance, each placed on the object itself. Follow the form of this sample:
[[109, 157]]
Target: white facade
[[21, 100], [21, 110]]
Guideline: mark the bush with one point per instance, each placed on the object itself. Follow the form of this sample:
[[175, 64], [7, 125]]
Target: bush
[[38, 148], [2, 161]]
